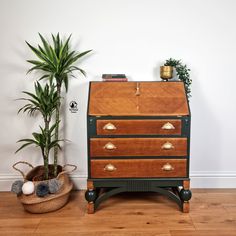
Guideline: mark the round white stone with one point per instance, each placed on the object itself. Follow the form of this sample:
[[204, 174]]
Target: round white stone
[[28, 188]]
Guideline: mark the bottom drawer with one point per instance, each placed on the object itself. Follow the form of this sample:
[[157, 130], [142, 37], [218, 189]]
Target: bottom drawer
[[138, 168]]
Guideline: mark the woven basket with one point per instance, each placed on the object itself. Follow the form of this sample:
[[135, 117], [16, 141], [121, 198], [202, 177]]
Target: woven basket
[[51, 202]]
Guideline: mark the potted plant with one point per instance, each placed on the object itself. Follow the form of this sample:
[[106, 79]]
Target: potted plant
[[182, 72], [57, 63], [42, 191]]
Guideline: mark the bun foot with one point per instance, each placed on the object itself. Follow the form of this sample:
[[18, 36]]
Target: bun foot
[[186, 207], [90, 208]]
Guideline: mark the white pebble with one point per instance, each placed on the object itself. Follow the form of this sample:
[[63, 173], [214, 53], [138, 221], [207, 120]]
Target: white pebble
[[28, 188]]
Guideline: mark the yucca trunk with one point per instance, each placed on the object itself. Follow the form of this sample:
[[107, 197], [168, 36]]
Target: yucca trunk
[[57, 129], [46, 149], [46, 169]]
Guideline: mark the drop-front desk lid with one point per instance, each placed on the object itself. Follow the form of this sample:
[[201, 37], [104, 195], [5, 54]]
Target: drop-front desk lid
[[137, 99]]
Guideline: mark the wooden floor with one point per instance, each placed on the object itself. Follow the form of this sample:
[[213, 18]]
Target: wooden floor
[[212, 213]]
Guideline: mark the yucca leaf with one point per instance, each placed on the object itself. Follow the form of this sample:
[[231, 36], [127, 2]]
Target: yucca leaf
[[44, 77], [41, 50], [36, 98], [56, 43], [65, 80], [37, 52], [51, 79], [32, 111], [33, 102], [64, 48], [83, 54], [75, 58], [26, 140], [54, 57], [55, 143], [37, 136], [42, 66], [25, 106], [34, 62], [23, 146], [53, 127], [38, 67], [40, 55], [79, 69], [64, 61], [46, 47]]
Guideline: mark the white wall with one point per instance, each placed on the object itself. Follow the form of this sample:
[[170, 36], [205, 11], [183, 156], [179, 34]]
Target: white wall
[[133, 37]]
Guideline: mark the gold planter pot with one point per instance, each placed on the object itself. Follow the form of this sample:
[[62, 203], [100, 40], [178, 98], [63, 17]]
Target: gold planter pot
[[166, 72]]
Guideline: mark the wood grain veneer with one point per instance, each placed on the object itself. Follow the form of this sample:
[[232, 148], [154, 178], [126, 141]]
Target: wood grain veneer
[[119, 99]]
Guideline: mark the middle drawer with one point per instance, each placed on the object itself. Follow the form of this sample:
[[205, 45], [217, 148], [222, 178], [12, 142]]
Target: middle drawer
[[108, 147]]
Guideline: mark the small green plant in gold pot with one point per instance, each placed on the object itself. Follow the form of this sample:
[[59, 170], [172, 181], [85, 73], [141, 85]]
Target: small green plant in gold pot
[[182, 72]]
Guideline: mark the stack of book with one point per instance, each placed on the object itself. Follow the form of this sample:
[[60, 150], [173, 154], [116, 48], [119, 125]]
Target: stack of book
[[114, 78]]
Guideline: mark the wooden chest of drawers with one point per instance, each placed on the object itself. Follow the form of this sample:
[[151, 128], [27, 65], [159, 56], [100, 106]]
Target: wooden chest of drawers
[[138, 140]]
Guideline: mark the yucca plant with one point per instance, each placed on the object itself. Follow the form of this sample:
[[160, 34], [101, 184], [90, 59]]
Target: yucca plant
[[57, 62], [44, 101]]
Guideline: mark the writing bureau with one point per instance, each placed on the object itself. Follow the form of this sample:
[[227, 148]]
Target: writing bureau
[[138, 140]]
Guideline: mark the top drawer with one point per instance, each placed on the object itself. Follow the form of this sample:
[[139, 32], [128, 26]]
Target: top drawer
[[139, 127]]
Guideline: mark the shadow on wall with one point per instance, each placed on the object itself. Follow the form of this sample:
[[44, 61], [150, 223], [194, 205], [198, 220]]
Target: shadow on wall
[[206, 132], [75, 126]]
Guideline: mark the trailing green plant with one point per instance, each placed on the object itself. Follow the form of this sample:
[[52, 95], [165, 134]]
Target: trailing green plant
[[182, 72], [57, 62], [44, 101]]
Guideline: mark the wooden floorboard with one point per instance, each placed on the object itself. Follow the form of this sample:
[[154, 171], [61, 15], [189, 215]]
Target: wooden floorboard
[[212, 213]]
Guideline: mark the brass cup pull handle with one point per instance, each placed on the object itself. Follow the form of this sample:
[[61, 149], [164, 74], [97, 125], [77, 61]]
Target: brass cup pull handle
[[168, 126], [109, 126], [167, 167], [110, 168], [167, 146], [109, 146]]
